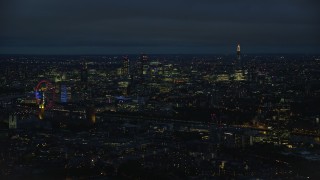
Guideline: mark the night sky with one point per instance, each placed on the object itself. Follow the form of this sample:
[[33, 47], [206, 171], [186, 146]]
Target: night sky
[[166, 26]]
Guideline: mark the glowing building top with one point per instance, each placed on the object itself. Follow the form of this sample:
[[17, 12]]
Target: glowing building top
[[238, 49]]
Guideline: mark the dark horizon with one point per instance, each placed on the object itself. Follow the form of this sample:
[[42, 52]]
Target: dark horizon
[[167, 54], [169, 27], [226, 51]]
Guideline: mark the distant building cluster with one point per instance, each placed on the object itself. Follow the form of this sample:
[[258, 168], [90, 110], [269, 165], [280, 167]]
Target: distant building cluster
[[178, 116]]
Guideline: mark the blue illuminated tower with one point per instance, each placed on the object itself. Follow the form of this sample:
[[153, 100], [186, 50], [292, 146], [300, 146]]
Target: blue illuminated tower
[[64, 95]]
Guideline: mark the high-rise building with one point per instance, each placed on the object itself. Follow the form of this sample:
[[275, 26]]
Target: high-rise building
[[84, 73], [64, 95], [239, 72], [125, 67], [143, 60], [238, 51]]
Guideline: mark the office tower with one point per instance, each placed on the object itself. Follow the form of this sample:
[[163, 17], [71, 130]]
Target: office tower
[[84, 73], [125, 66], [142, 63], [64, 95]]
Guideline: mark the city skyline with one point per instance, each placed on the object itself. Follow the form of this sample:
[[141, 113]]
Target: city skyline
[[175, 27], [171, 89], [166, 116]]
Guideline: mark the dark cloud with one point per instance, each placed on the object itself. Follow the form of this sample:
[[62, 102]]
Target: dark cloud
[[186, 26]]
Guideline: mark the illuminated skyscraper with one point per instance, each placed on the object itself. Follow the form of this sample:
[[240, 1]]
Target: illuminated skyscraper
[[239, 74], [143, 60], [238, 51]]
